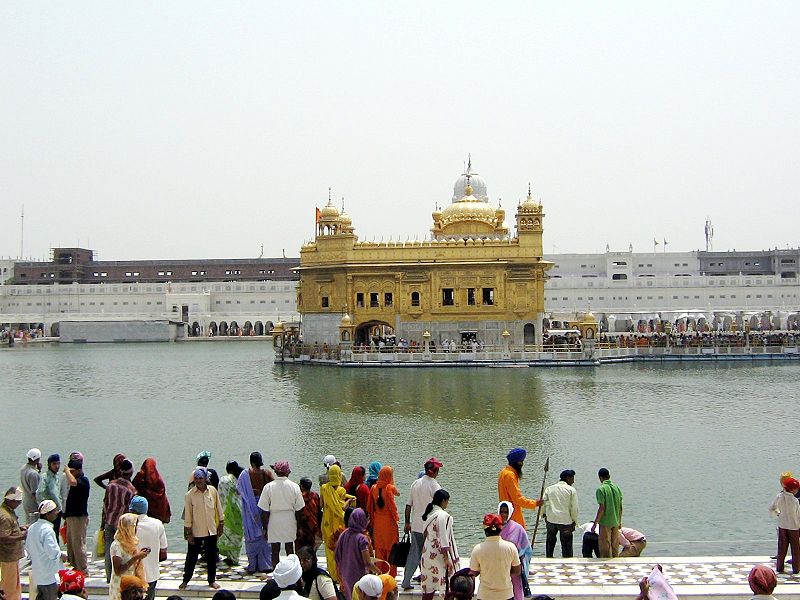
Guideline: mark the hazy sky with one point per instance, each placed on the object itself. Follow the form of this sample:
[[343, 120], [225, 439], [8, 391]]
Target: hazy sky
[[205, 129]]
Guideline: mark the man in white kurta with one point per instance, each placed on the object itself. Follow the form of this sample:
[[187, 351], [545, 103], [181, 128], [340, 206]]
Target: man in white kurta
[[282, 503]]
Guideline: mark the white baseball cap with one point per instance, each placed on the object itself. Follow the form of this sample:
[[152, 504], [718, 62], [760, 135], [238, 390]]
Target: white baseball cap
[[14, 493], [34, 454], [46, 506], [329, 460]]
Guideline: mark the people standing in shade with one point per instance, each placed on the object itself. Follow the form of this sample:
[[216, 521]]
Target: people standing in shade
[[151, 534], [353, 552], [282, 503], [508, 487], [334, 500], [46, 556], [12, 542], [230, 543], [374, 472], [308, 531], [561, 513], [127, 558], [328, 461], [203, 458], [259, 554], [609, 515], [76, 512], [382, 510], [111, 474], [355, 486], [53, 486], [116, 501], [785, 506], [317, 583], [150, 485], [514, 532], [29, 476], [204, 522], [495, 561], [420, 495]]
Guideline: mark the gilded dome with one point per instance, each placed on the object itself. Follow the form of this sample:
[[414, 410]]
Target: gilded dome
[[529, 205], [468, 208], [329, 211], [346, 320], [345, 219]]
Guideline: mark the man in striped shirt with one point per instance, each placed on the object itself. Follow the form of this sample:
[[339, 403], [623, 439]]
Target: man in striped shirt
[[115, 503]]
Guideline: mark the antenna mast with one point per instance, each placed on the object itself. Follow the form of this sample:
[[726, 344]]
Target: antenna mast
[[22, 232]]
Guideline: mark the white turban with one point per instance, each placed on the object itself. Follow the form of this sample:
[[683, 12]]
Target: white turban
[[371, 585], [288, 571], [46, 506]]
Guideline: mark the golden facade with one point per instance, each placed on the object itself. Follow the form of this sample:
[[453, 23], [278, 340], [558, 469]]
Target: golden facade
[[472, 280]]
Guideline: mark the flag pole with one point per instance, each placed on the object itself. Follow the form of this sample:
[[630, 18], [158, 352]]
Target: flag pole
[[541, 494]]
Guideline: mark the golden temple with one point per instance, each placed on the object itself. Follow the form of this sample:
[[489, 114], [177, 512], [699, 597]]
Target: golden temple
[[471, 282]]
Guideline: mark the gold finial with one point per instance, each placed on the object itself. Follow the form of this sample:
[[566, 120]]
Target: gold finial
[[529, 191], [342, 203], [329, 195], [469, 162], [468, 190]]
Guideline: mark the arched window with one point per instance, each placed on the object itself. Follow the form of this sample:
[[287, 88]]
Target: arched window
[[414, 298]]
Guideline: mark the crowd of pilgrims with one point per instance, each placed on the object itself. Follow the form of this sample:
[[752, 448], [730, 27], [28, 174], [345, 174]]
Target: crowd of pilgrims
[[354, 521]]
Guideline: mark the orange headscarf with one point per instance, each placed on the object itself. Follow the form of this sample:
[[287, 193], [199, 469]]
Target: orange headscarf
[[384, 489], [389, 584]]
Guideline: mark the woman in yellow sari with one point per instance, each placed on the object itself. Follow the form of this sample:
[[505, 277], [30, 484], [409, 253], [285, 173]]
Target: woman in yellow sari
[[334, 500]]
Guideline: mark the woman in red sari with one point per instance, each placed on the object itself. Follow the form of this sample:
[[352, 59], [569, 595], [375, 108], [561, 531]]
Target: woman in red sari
[[308, 530], [356, 487], [150, 485], [383, 515]]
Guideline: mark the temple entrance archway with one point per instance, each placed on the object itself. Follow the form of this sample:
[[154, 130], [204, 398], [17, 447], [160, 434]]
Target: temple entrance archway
[[372, 333], [529, 334]]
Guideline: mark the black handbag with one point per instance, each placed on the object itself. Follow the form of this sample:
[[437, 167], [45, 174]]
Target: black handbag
[[399, 553]]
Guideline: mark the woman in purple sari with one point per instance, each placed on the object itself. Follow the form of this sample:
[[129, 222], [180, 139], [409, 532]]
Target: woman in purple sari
[[353, 552], [259, 552], [515, 533]]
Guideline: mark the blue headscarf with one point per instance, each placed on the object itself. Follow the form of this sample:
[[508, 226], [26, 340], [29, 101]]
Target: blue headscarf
[[374, 469]]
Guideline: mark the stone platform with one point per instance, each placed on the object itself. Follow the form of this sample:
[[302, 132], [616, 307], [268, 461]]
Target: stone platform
[[707, 577]]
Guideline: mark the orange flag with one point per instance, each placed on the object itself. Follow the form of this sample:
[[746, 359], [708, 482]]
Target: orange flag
[[318, 215]]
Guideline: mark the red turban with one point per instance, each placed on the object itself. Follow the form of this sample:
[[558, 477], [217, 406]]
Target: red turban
[[493, 521], [762, 580], [72, 580], [790, 483]]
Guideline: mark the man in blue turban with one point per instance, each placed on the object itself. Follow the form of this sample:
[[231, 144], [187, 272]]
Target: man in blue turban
[[508, 488]]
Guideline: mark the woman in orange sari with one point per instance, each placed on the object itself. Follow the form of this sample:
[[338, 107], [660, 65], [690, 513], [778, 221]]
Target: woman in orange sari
[[383, 515]]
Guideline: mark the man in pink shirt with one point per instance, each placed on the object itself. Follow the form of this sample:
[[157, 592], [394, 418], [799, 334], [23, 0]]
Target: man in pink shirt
[[632, 542]]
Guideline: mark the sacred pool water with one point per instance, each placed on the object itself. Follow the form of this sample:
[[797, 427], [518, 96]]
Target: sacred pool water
[[696, 449]]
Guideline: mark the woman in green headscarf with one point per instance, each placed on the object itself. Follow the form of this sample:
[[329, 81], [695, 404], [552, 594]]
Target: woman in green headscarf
[[334, 500], [230, 543]]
